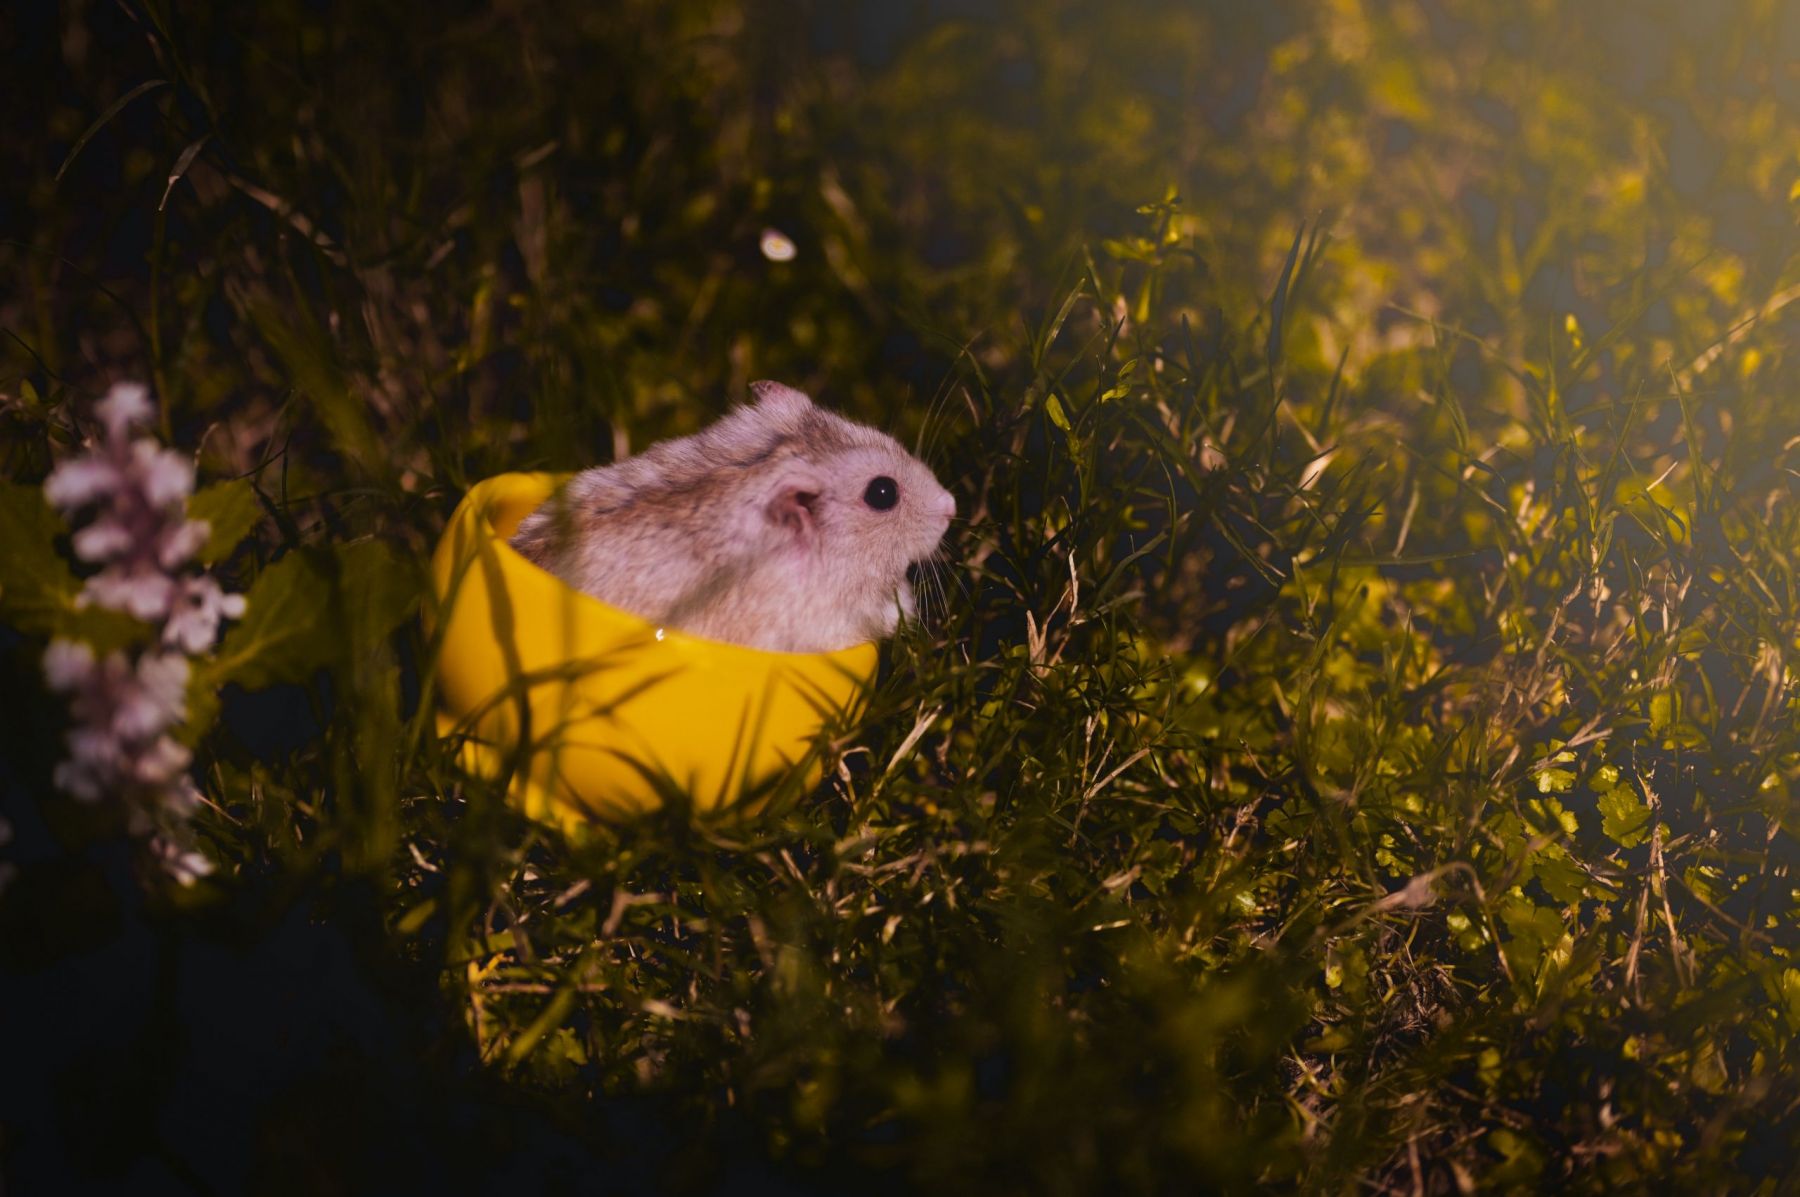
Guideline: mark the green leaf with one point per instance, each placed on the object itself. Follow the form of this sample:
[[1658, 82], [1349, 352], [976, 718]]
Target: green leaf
[[288, 629], [306, 354], [104, 629], [1790, 996], [1708, 1069], [100, 122], [378, 587], [1137, 249], [1333, 1039], [1662, 712], [1278, 306], [1054, 409], [1623, 817], [1551, 815], [311, 609], [1531, 930], [1049, 334], [202, 701], [1561, 878], [1122, 383], [1555, 781], [36, 587], [231, 510], [1524, 1160]]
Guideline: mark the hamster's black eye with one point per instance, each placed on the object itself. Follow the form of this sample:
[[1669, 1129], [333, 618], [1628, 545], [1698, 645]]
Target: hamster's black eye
[[883, 493]]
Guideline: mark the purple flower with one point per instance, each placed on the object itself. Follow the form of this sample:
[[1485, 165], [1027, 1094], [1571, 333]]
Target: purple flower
[[128, 500], [195, 613], [79, 481], [125, 406], [134, 493], [182, 863], [123, 711]]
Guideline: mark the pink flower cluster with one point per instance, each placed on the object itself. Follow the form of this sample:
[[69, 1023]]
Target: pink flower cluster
[[129, 497], [139, 534]]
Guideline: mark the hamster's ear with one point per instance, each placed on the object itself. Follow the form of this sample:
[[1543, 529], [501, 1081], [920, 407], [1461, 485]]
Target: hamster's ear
[[792, 508], [780, 399]]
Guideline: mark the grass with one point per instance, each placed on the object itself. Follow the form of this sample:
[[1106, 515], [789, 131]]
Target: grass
[[1352, 747]]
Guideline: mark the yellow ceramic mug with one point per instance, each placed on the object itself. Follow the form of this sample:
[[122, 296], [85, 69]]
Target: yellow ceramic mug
[[594, 712]]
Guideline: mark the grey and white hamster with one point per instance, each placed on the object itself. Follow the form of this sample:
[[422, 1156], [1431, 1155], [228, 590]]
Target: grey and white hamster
[[780, 526]]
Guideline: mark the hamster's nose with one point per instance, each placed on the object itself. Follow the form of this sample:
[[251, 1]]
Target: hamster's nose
[[946, 504]]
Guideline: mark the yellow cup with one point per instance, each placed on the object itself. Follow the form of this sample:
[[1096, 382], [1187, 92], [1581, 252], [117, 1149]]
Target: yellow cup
[[592, 712]]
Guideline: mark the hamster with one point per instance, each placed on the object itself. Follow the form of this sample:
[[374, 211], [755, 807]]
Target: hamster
[[780, 526]]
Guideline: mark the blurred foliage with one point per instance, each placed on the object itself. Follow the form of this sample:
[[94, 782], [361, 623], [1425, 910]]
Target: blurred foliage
[[1355, 748]]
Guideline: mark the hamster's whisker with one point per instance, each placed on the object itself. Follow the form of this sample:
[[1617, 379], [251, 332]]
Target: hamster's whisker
[[938, 569], [918, 579], [957, 576], [927, 590]]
